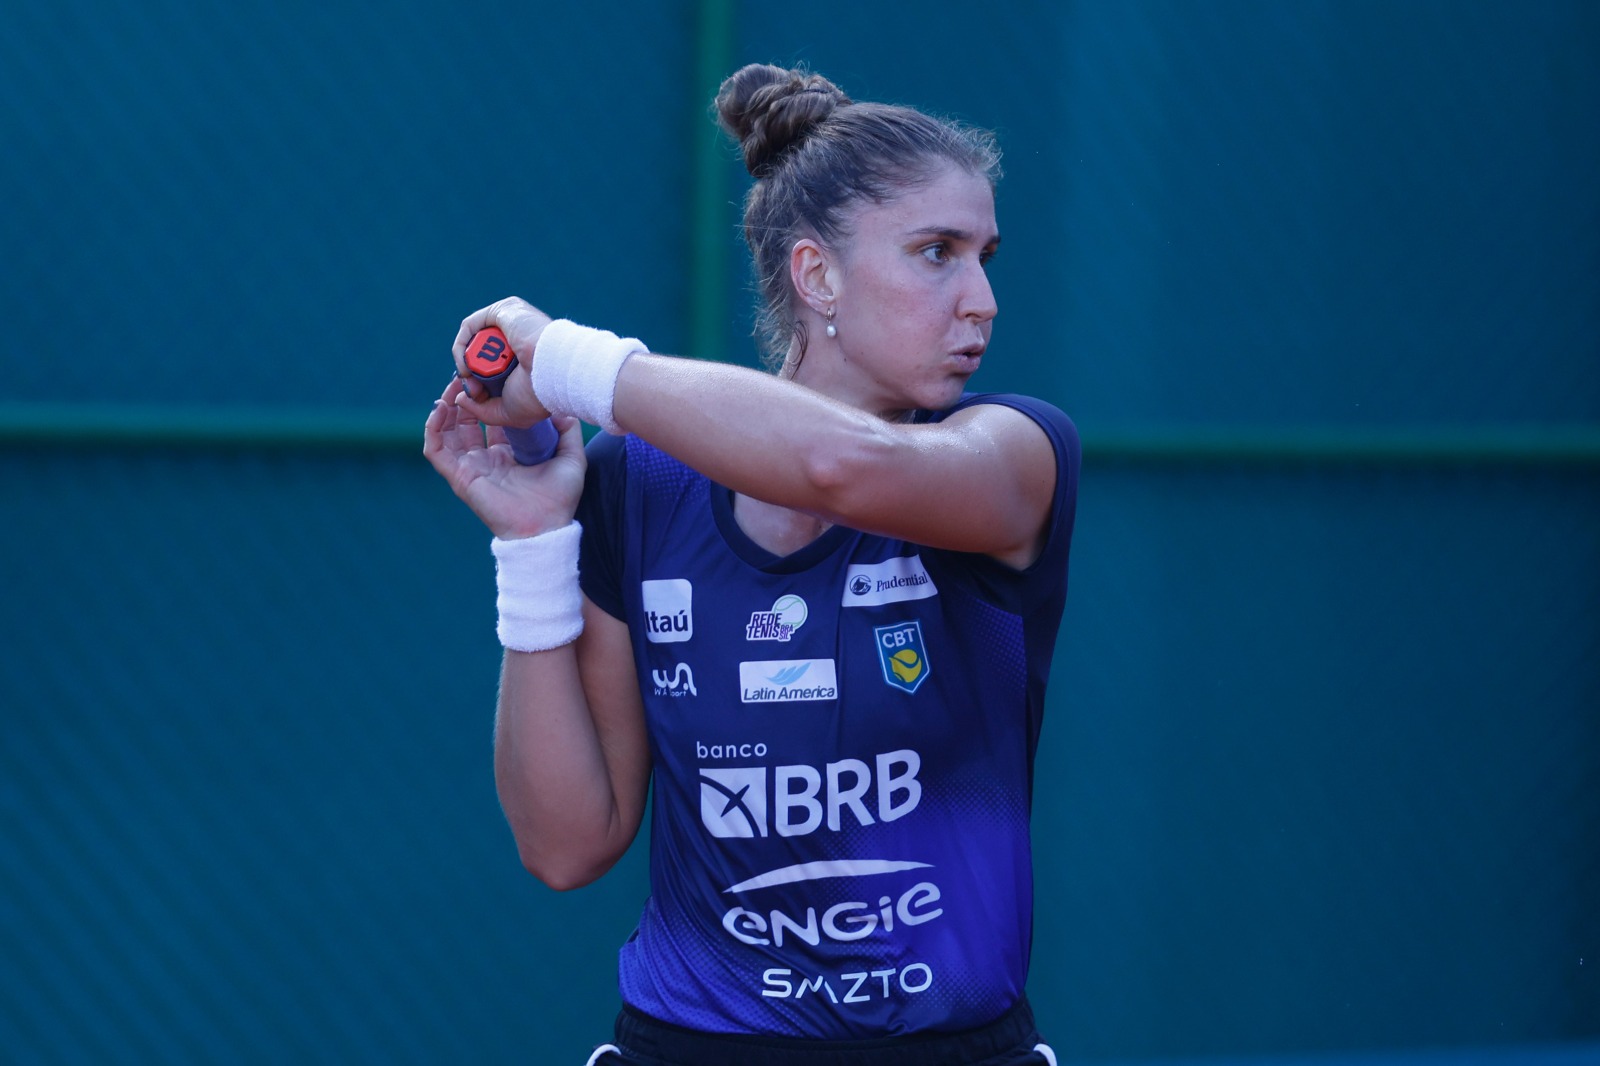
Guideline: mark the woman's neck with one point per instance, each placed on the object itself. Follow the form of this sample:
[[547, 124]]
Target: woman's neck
[[779, 530], [824, 371]]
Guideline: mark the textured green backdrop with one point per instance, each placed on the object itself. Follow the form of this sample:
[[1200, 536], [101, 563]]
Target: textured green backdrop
[[1319, 281]]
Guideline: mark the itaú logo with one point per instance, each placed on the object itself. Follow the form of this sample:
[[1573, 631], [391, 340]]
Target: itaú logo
[[797, 800], [668, 610]]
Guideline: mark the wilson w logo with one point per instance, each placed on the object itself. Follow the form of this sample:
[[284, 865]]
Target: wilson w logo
[[668, 684]]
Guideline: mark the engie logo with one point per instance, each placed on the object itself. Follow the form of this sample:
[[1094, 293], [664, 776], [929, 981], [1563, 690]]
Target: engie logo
[[778, 680], [668, 610], [902, 655], [891, 581], [669, 684]]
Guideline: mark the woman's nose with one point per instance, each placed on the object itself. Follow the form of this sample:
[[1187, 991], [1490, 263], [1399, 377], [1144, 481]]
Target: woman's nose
[[977, 300]]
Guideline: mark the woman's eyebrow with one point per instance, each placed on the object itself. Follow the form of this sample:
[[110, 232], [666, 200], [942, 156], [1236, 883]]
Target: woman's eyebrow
[[950, 234]]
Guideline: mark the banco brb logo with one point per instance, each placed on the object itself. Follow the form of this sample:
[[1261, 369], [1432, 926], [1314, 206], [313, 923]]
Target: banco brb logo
[[733, 801], [902, 655], [798, 800]]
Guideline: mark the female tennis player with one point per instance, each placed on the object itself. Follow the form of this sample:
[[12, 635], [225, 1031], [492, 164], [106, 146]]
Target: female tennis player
[[815, 610]]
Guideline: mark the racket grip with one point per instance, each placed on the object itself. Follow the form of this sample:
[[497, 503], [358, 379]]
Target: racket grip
[[490, 360], [533, 445]]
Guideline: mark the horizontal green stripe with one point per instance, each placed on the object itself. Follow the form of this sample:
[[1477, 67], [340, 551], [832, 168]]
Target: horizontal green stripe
[[117, 427], [1524, 445]]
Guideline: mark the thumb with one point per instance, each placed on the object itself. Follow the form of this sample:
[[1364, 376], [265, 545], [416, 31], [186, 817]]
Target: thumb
[[487, 410], [571, 429]]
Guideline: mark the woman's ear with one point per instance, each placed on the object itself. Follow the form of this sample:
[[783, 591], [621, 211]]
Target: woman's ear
[[811, 271]]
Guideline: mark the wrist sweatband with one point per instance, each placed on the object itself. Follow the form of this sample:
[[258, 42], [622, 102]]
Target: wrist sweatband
[[540, 603], [575, 371]]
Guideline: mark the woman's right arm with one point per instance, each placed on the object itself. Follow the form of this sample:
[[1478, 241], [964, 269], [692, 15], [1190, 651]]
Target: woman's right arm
[[572, 761]]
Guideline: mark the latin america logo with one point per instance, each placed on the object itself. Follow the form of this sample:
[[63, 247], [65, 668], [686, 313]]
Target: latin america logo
[[902, 655], [778, 681], [787, 615]]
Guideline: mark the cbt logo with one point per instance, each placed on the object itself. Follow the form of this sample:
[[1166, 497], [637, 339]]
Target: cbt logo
[[787, 615], [902, 655]]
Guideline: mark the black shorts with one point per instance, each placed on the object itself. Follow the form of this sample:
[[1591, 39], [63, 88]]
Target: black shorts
[[1010, 1040]]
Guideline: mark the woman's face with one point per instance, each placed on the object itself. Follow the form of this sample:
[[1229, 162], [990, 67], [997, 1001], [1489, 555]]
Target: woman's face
[[912, 296]]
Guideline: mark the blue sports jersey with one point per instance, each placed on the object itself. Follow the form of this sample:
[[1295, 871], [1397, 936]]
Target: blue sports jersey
[[843, 743]]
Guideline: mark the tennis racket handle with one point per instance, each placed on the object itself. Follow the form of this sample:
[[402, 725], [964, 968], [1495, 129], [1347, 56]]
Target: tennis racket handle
[[490, 360], [535, 444]]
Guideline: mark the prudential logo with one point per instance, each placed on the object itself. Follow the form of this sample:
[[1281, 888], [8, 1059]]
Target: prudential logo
[[896, 580]]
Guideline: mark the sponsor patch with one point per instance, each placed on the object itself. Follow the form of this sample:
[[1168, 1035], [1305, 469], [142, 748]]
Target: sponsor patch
[[896, 580], [788, 614], [902, 655], [796, 800], [733, 802], [781, 680], [679, 682], [668, 610]]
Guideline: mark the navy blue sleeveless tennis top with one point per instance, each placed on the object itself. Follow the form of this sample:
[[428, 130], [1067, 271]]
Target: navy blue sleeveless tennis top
[[843, 742]]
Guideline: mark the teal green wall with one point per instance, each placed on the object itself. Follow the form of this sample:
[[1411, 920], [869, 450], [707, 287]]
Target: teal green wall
[[1319, 281]]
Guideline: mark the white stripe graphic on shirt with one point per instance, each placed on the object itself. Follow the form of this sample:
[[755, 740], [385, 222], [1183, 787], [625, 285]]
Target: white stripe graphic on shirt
[[811, 871]]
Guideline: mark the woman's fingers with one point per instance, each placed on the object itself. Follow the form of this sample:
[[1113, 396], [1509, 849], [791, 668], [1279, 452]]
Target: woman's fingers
[[450, 435], [486, 409], [517, 318], [571, 429]]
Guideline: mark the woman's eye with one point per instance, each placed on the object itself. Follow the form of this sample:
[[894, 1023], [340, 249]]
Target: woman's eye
[[936, 253]]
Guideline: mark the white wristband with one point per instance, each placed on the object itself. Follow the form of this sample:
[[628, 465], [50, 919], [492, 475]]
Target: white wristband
[[540, 603], [575, 371]]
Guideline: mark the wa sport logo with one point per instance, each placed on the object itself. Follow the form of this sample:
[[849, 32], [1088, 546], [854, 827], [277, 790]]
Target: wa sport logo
[[678, 683]]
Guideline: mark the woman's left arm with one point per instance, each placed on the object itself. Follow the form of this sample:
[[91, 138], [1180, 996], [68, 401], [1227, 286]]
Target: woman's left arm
[[980, 481]]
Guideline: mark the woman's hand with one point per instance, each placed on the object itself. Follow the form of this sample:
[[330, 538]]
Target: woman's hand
[[511, 499], [516, 405]]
